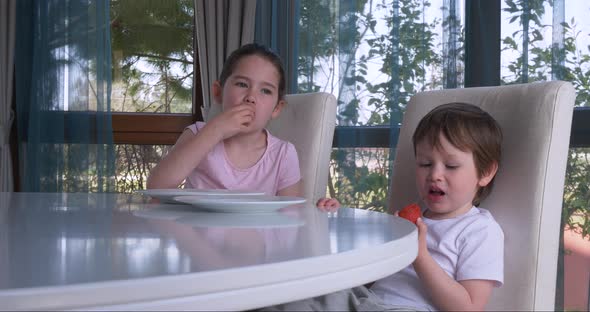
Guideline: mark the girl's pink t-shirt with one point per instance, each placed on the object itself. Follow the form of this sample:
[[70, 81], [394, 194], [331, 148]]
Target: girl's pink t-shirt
[[277, 169]]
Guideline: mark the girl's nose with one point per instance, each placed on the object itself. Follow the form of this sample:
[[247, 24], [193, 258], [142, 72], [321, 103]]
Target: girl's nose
[[250, 99]]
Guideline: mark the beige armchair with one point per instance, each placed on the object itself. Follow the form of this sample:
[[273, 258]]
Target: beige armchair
[[307, 121], [527, 197]]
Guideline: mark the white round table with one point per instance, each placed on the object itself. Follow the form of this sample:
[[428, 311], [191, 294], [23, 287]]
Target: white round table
[[119, 252]]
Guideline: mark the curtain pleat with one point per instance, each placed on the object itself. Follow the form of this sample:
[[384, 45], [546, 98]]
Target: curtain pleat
[[221, 27], [7, 37], [451, 44], [274, 19]]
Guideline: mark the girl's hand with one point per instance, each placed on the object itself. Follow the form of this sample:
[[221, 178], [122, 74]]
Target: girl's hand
[[328, 204], [233, 121]]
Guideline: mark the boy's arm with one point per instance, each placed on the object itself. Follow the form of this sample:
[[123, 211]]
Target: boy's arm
[[446, 293]]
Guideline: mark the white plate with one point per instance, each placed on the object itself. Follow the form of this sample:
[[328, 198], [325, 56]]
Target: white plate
[[167, 195], [240, 204]]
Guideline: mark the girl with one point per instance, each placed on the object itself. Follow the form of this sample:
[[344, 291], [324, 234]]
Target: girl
[[234, 150]]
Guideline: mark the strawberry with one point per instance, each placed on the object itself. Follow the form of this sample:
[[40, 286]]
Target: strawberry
[[411, 212]]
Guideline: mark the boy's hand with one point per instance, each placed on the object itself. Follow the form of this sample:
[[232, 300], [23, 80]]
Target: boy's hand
[[233, 121], [328, 204], [422, 231], [422, 246]]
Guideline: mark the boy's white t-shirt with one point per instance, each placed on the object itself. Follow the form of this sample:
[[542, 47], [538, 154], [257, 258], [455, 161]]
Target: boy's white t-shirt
[[470, 246], [277, 169]]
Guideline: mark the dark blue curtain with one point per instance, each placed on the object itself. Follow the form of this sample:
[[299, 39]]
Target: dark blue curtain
[[275, 19], [63, 87]]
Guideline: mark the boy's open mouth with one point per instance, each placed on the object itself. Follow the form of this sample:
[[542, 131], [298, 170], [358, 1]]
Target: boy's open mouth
[[436, 192]]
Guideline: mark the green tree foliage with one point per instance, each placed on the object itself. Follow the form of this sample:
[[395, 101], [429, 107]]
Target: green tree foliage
[[576, 205], [152, 72], [576, 69], [374, 55], [536, 62], [153, 55], [528, 14], [577, 194]]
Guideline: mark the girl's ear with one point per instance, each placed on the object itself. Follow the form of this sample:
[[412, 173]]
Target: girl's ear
[[217, 91], [278, 108], [489, 175]]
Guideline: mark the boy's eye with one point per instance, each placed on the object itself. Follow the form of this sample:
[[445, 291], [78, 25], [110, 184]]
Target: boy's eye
[[266, 91], [424, 165], [241, 84], [452, 166]]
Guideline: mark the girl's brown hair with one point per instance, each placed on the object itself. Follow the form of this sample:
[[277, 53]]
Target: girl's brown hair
[[254, 49]]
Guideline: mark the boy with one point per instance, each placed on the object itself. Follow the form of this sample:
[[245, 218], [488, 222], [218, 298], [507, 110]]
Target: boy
[[460, 254]]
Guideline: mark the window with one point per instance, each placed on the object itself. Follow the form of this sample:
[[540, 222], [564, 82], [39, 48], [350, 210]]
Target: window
[[353, 50], [152, 89], [373, 56]]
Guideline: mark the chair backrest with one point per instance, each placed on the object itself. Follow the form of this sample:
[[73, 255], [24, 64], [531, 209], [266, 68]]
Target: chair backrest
[[307, 121], [527, 196]]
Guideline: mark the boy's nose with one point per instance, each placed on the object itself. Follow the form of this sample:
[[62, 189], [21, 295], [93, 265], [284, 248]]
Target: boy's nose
[[435, 173]]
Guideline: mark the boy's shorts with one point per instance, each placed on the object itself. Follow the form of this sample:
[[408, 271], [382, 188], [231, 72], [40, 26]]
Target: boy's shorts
[[355, 299]]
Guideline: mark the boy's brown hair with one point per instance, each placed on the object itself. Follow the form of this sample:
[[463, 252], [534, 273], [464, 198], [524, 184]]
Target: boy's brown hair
[[468, 128]]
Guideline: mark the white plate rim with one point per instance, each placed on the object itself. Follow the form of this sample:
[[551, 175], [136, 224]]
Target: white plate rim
[[199, 192], [236, 204]]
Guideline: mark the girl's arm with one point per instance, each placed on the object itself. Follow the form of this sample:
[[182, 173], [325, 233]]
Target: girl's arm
[[293, 190], [446, 293], [324, 204], [190, 149]]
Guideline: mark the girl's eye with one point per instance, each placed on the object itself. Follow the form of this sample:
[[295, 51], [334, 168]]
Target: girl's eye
[[241, 84], [424, 165], [452, 167], [266, 91]]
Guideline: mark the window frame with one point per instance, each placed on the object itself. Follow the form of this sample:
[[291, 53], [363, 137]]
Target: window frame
[[159, 128], [477, 74], [149, 128]]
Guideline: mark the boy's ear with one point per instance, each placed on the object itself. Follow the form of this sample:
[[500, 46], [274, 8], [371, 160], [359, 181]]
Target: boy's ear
[[278, 108], [489, 175], [217, 91]]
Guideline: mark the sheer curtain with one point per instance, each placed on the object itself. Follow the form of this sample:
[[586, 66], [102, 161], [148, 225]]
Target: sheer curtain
[[373, 56], [63, 87], [221, 27], [274, 19], [7, 36]]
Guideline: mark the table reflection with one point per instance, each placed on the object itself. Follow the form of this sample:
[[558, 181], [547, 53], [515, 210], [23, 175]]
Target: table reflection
[[61, 239], [123, 252]]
